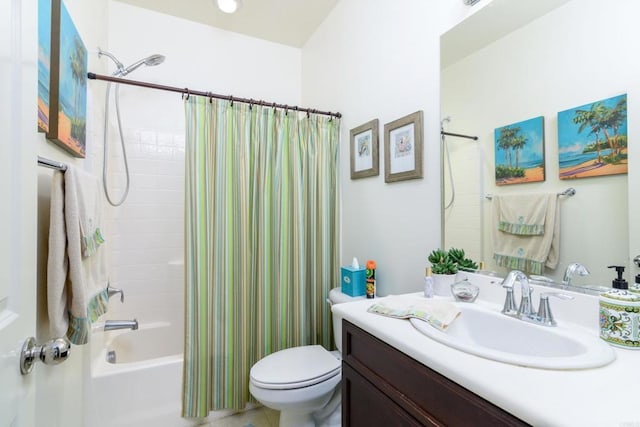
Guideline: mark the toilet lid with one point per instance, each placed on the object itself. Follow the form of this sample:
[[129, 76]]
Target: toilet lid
[[295, 367]]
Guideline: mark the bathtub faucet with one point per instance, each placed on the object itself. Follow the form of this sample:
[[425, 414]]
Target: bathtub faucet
[[111, 325], [111, 291]]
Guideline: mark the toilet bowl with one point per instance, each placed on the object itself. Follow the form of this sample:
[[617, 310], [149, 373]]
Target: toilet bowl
[[303, 383]]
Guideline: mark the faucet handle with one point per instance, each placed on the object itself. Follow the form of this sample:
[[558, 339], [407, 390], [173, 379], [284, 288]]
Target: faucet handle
[[526, 308], [112, 291], [509, 308], [544, 310]]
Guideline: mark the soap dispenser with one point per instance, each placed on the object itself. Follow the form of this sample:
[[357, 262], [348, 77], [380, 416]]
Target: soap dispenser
[[428, 283], [635, 288], [620, 314]]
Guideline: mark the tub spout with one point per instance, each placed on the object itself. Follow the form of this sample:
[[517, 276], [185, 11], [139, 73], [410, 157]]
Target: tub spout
[[111, 325]]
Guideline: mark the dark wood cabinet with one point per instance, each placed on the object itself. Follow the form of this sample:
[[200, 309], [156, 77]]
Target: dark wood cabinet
[[382, 386]]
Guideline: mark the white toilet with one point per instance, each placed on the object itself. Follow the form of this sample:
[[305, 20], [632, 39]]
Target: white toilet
[[303, 383]]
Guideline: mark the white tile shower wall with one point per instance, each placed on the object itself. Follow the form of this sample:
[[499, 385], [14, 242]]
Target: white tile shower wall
[[147, 230]]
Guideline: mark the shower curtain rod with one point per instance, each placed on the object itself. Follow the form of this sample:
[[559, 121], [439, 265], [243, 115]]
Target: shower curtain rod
[[459, 135], [187, 91]]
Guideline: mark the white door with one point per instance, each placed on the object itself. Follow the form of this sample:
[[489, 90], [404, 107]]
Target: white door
[[18, 74]]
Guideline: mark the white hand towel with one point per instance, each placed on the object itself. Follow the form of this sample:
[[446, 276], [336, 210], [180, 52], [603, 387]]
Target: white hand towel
[[76, 271], [438, 313], [526, 231]]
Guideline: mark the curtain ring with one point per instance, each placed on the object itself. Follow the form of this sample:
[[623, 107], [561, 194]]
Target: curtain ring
[[231, 100], [308, 113], [187, 90], [210, 96], [250, 103], [274, 106]]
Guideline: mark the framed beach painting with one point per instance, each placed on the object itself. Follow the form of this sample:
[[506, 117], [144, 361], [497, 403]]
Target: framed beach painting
[[403, 148], [364, 150], [44, 59], [592, 139], [519, 152], [68, 84]]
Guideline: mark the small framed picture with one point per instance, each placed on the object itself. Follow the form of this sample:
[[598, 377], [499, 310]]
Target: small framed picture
[[364, 150], [403, 148]]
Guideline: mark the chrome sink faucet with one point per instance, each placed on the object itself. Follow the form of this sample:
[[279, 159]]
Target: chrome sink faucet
[[525, 310], [572, 269], [510, 308]]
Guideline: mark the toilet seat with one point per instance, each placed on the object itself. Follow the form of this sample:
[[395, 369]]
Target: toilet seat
[[295, 367]]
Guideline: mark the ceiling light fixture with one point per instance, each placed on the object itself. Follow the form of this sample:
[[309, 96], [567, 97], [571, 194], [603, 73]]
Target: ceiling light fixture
[[229, 6]]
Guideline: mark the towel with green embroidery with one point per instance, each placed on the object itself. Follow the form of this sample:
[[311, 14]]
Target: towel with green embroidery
[[526, 231], [522, 214], [438, 313], [77, 273]]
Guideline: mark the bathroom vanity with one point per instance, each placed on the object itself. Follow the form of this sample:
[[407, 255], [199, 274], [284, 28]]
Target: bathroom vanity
[[382, 387], [394, 375]]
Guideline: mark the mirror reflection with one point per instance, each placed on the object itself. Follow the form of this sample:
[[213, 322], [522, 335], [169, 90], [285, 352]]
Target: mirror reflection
[[551, 63]]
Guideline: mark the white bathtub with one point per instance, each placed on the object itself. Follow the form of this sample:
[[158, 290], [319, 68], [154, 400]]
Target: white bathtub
[[144, 386]]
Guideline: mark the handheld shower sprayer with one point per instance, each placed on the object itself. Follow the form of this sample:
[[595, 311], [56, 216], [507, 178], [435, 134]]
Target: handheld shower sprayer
[[121, 71]]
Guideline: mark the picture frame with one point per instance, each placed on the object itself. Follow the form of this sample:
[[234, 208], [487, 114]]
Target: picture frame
[[403, 148], [44, 61], [364, 150], [519, 152], [68, 83], [592, 139]]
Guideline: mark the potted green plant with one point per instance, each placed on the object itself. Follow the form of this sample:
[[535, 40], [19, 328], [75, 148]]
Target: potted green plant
[[459, 258], [445, 265]]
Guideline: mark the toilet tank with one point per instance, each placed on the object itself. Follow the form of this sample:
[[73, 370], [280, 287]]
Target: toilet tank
[[337, 297]]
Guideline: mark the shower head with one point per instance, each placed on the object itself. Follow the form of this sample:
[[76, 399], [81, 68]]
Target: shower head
[[149, 61], [119, 64], [121, 71]]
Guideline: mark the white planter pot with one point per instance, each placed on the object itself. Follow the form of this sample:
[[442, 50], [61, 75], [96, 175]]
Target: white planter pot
[[442, 284]]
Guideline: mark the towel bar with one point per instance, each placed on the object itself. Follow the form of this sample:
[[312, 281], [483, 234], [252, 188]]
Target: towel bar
[[52, 164], [569, 192]]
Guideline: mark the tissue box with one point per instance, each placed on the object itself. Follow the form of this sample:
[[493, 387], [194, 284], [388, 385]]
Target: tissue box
[[353, 281]]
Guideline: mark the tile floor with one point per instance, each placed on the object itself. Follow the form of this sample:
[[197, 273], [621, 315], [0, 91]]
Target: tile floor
[[258, 417]]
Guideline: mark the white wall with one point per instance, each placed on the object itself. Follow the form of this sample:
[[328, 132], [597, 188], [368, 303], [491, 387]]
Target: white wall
[[147, 230], [60, 389], [572, 56], [380, 59]]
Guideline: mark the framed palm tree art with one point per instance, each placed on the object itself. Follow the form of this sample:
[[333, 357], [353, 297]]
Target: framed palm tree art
[[519, 152], [68, 83], [592, 139]]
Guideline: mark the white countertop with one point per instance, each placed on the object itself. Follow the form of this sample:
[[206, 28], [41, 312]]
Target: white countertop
[[606, 396]]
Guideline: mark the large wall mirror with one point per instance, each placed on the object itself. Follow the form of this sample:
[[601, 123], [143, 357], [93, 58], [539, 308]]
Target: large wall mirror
[[533, 63]]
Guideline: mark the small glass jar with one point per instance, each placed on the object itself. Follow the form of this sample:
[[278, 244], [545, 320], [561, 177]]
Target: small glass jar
[[465, 291]]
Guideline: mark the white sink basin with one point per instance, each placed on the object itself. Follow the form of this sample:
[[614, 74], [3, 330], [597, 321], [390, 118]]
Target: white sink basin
[[490, 334]]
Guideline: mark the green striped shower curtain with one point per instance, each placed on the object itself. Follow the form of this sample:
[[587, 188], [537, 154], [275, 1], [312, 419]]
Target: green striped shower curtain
[[261, 237]]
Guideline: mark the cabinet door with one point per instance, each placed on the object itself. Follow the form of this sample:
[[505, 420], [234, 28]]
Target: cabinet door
[[363, 405]]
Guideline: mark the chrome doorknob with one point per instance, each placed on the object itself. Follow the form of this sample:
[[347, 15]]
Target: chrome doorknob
[[50, 353]]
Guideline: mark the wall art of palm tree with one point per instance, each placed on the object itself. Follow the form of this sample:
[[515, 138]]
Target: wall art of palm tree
[[592, 139], [68, 83], [519, 152]]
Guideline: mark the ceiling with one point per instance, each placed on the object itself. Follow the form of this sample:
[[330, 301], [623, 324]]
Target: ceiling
[[490, 22], [289, 22]]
